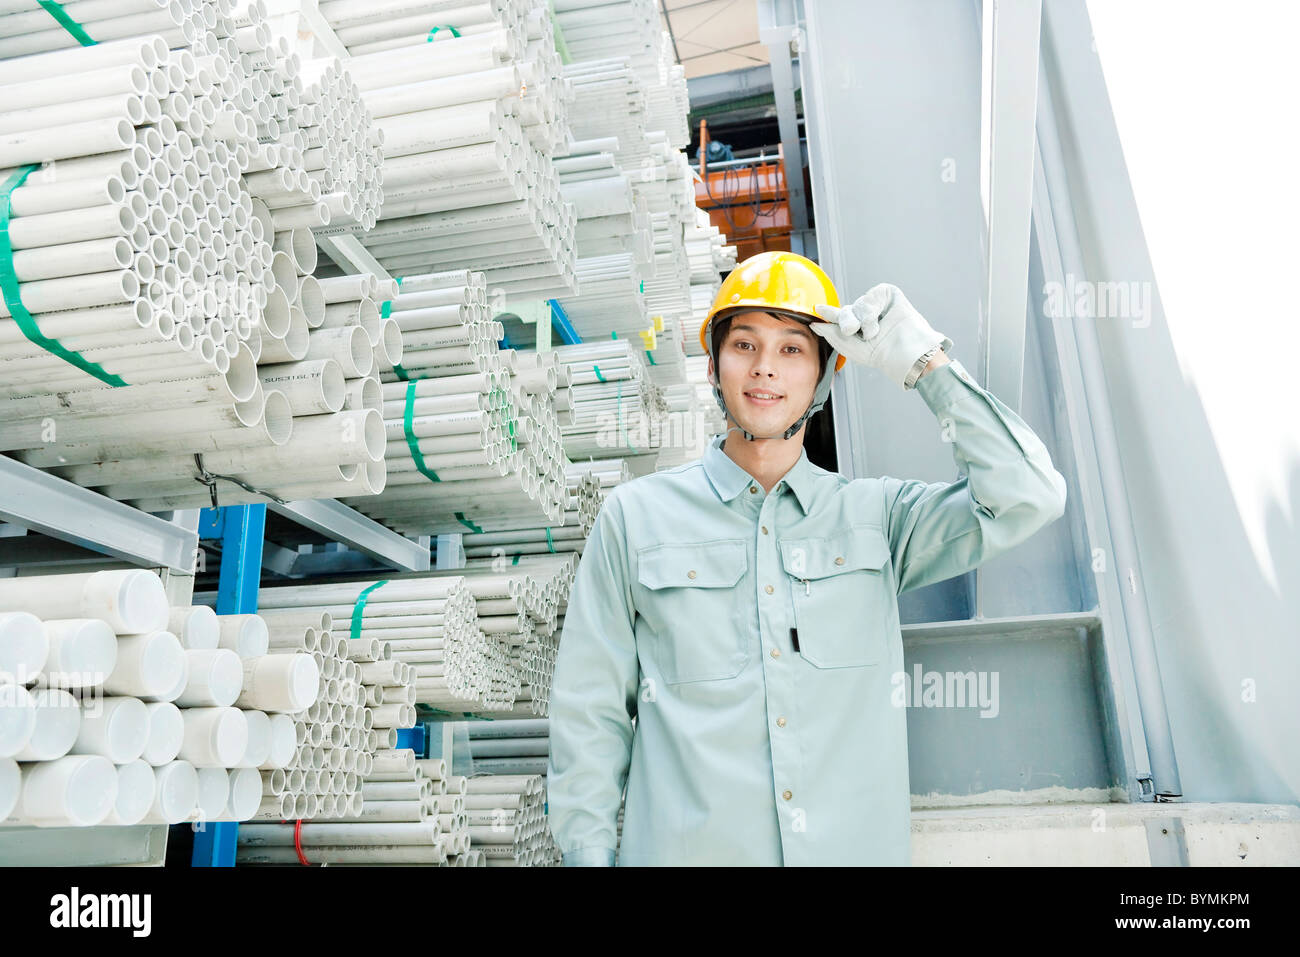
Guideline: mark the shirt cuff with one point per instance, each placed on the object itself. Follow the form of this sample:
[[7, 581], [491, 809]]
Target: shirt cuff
[[590, 857], [946, 385]]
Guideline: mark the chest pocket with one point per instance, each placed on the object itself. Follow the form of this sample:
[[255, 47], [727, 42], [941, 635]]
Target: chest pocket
[[693, 608], [842, 596]]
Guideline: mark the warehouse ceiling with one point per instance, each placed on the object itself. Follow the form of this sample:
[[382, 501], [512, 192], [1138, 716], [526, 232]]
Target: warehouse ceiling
[[714, 36]]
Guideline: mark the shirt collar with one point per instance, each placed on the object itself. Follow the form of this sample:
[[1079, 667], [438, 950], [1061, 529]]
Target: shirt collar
[[729, 479]]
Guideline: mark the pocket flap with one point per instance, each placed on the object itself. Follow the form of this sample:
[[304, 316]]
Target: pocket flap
[[861, 547], [692, 564]]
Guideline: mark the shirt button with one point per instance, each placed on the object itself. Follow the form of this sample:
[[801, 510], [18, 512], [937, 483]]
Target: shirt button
[[764, 529], [753, 488], [839, 559], [776, 652], [768, 589], [780, 722], [691, 573], [787, 795]]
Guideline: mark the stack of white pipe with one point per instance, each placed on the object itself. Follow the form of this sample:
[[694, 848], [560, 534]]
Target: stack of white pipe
[[583, 497], [616, 408], [134, 243], [344, 155], [26, 29], [469, 124], [137, 712], [507, 820], [525, 615], [429, 627], [510, 746], [170, 282], [487, 439], [322, 346], [411, 812], [362, 697]]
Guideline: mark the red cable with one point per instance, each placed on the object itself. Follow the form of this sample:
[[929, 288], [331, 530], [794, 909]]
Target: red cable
[[297, 843]]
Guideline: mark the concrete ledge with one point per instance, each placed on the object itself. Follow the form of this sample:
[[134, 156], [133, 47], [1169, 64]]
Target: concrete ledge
[[1106, 835]]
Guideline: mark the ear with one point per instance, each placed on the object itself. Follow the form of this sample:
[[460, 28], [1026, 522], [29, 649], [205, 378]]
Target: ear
[[709, 374]]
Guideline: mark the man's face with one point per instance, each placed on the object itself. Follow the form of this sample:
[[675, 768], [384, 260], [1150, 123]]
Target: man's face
[[769, 371]]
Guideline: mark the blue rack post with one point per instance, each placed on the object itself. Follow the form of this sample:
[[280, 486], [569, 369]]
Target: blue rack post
[[241, 529]]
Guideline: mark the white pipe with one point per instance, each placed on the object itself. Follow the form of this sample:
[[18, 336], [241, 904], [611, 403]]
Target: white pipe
[[215, 679], [117, 728], [132, 601], [176, 793], [280, 683], [166, 733], [17, 719], [148, 665], [24, 647], [214, 737], [136, 785], [195, 626], [58, 719], [78, 790], [247, 635]]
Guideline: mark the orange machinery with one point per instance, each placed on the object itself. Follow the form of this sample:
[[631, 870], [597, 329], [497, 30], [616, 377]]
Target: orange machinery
[[747, 200]]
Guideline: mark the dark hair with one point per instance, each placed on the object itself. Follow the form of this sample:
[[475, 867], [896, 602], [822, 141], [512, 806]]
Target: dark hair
[[722, 324]]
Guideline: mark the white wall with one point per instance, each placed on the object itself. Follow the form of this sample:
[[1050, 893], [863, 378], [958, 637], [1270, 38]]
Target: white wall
[[1204, 98]]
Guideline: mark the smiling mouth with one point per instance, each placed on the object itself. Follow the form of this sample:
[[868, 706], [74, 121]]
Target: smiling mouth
[[763, 397]]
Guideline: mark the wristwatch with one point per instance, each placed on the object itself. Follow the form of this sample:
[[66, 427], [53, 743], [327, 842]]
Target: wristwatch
[[919, 367]]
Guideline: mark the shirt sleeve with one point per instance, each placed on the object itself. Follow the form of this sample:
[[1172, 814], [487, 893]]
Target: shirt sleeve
[[1006, 490], [593, 698]]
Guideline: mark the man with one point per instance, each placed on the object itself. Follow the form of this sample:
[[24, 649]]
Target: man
[[743, 607]]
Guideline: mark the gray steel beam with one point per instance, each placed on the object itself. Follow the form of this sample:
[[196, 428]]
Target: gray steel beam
[[340, 523], [778, 28], [52, 506], [1012, 98], [717, 88]]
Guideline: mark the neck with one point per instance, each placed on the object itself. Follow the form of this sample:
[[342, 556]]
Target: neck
[[767, 460]]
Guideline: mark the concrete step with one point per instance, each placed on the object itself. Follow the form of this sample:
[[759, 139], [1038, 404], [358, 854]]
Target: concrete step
[[1104, 835]]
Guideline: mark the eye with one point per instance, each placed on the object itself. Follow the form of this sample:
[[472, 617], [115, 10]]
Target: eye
[[795, 348]]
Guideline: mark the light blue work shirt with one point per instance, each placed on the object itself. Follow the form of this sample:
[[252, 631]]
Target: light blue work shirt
[[745, 750]]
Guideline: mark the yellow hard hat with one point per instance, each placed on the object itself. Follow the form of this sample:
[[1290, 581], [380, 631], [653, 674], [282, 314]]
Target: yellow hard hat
[[773, 282]]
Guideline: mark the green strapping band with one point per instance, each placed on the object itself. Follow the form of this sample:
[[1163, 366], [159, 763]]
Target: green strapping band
[[402, 373], [516, 561], [651, 356], [460, 517], [613, 333], [386, 309], [72, 26], [598, 375], [412, 442], [454, 32], [9, 287], [550, 543], [358, 610]]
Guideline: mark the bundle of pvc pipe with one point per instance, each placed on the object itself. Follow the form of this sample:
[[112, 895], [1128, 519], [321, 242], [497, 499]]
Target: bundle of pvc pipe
[[323, 344], [520, 604], [511, 746], [344, 157], [507, 820], [360, 697], [468, 138], [583, 498], [616, 408], [410, 812], [134, 255], [600, 29], [158, 712], [161, 268], [469, 442]]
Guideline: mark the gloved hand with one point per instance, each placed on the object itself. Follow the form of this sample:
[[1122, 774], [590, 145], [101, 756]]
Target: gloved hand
[[881, 329]]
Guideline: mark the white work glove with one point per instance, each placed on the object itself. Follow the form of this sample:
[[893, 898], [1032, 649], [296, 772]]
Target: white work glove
[[882, 330]]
